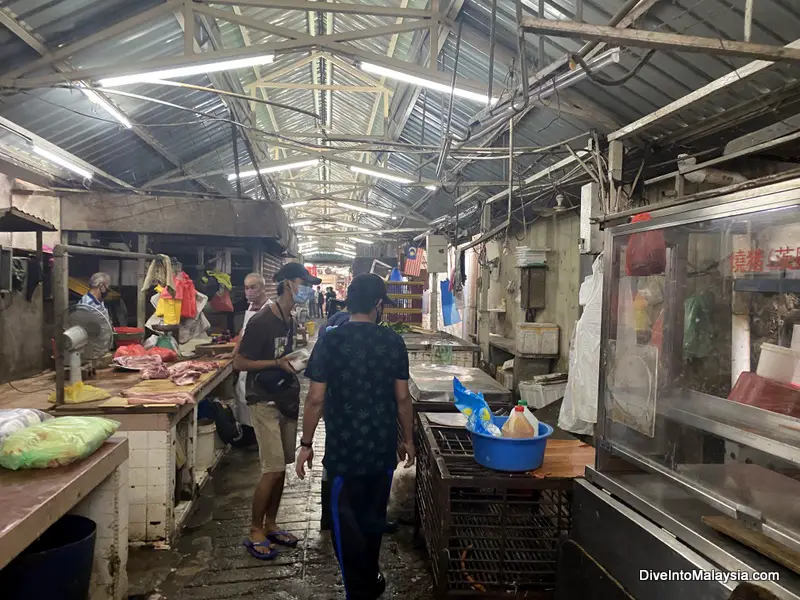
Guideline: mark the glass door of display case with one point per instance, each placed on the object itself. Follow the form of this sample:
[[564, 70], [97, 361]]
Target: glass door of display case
[[700, 365]]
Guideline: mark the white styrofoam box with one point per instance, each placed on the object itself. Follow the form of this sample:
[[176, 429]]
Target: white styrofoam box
[[537, 338], [591, 208], [539, 395], [506, 378]]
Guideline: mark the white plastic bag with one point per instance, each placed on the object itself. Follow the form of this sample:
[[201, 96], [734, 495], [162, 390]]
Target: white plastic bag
[[579, 408], [14, 419]]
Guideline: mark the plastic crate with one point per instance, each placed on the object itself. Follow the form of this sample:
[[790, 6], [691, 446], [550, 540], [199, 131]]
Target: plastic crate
[[539, 395], [488, 534]]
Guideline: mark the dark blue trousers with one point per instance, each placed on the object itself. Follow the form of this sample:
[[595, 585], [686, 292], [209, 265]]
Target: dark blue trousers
[[358, 515]]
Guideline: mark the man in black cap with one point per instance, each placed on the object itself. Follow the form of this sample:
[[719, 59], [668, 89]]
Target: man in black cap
[[273, 394], [359, 380]]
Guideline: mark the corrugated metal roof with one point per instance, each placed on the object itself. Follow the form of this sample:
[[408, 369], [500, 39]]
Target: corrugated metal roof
[[66, 118]]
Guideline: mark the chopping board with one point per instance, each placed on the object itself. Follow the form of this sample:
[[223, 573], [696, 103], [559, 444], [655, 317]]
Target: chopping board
[[565, 459], [214, 349], [756, 540]]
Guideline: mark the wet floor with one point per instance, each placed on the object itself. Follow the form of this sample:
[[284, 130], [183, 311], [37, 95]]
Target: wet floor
[[209, 561]]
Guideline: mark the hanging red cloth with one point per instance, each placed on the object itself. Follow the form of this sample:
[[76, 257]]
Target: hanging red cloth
[[646, 253]]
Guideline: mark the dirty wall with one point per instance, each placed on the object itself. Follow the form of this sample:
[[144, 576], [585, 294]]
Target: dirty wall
[[561, 236], [20, 319]]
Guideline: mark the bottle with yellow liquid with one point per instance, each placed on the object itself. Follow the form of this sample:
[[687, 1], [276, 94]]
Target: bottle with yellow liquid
[[517, 426]]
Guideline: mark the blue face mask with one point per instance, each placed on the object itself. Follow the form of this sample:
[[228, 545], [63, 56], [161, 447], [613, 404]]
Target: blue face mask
[[303, 294]]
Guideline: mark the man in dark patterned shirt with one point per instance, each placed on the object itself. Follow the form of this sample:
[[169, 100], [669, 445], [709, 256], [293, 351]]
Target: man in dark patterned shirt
[[359, 380]]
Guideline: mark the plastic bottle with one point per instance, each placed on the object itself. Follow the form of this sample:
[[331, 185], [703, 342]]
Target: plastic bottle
[[529, 415], [517, 425]]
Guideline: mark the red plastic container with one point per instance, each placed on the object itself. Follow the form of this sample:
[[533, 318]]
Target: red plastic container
[[754, 390], [128, 336]]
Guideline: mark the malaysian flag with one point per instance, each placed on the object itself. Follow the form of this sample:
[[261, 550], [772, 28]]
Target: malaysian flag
[[415, 257]]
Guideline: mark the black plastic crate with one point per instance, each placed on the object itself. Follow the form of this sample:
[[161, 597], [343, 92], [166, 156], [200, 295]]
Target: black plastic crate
[[488, 534]]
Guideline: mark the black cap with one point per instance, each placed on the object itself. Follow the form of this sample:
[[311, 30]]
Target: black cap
[[296, 271], [365, 290]]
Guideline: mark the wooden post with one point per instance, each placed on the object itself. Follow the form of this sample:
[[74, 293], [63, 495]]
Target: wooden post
[[141, 296], [60, 302], [40, 291]]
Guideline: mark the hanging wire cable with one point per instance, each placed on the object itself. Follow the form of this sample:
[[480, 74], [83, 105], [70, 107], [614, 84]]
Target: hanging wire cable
[[604, 81]]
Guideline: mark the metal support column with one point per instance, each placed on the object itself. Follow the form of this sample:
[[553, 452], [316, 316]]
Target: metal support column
[[141, 269], [60, 302], [483, 301], [616, 154]]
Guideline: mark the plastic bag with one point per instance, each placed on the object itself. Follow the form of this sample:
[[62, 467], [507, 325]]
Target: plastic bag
[[79, 392], [131, 350], [222, 302], [56, 442], [697, 329], [186, 291], [167, 354], [14, 419], [646, 253], [473, 406]]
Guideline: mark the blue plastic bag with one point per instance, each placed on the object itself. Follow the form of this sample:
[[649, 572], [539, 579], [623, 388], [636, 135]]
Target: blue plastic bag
[[473, 406]]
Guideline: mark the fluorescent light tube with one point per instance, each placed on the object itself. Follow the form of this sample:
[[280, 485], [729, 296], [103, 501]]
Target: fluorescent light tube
[[361, 241], [380, 174], [276, 168], [55, 158], [301, 223], [432, 188], [350, 225], [346, 246], [295, 204], [426, 83], [96, 98], [366, 210], [156, 76]]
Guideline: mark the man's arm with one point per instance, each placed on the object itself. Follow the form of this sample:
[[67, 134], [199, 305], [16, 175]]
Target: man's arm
[[405, 414], [242, 363], [312, 413]]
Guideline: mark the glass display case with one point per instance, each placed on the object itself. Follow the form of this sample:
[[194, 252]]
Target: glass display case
[[700, 364]]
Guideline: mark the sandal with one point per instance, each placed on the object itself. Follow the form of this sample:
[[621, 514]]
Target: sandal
[[283, 538], [252, 551]]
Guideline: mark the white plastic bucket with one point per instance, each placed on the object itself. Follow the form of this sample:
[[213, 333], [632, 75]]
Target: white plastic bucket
[[778, 363], [204, 456]]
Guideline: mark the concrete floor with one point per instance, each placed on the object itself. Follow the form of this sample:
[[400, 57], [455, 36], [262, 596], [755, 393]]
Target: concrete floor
[[209, 561]]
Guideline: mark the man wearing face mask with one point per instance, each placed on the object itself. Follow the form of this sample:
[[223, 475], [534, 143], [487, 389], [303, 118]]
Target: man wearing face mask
[[255, 291], [99, 286], [273, 395], [359, 380]]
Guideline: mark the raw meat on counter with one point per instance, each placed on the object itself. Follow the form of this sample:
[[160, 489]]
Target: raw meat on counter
[[189, 372], [158, 397], [156, 371], [139, 363]]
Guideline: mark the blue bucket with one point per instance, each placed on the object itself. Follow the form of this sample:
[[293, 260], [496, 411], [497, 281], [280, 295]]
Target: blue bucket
[[510, 454]]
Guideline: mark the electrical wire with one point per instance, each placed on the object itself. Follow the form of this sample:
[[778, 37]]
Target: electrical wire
[[606, 82]]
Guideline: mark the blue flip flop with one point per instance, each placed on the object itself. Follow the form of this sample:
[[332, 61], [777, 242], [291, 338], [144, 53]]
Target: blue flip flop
[[251, 549], [275, 538]]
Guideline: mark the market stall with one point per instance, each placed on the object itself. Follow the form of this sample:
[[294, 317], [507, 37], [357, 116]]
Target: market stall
[[698, 427], [162, 439], [432, 387], [491, 534], [428, 348], [95, 487]]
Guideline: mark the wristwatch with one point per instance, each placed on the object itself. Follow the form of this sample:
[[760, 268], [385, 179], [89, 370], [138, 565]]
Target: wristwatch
[[306, 444]]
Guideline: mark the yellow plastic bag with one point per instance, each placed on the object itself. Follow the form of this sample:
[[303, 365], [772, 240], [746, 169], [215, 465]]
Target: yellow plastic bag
[[77, 393], [168, 309], [56, 442]]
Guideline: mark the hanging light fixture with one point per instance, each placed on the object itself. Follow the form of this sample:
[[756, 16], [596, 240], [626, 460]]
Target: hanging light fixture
[[276, 168], [213, 67], [55, 158], [364, 209], [426, 83], [380, 174]]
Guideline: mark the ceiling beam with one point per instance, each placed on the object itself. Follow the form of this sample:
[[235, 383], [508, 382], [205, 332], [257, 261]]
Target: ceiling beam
[[656, 40], [351, 8], [100, 36], [731, 78], [24, 32], [321, 86]]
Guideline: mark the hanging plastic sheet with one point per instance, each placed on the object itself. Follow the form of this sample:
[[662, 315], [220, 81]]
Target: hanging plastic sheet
[[450, 314]]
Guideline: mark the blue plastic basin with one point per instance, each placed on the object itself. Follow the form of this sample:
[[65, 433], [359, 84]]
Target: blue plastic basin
[[510, 454]]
